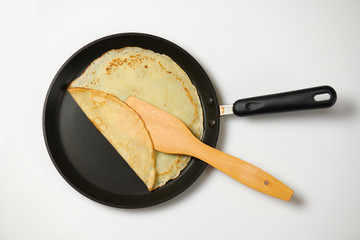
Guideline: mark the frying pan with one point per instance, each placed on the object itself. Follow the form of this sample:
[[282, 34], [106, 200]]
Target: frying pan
[[87, 161]]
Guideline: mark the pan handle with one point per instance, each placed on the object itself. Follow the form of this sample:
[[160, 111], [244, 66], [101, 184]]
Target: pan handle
[[304, 99]]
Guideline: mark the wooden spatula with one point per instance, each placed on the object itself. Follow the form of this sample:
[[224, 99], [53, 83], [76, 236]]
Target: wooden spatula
[[170, 135]]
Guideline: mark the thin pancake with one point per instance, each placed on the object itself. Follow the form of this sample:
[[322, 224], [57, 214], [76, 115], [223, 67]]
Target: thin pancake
[[122, 127], [156, 79]]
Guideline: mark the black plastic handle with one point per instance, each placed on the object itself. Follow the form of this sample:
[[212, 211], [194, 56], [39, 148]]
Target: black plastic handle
[[304, 99]]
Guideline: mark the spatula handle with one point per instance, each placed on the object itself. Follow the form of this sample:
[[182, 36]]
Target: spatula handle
[[242, 171]]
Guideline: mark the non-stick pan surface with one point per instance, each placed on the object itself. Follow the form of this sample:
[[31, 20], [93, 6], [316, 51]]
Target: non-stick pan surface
[[86, 160]]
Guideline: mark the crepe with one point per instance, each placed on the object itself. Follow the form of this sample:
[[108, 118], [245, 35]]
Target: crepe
[[156, 79], [122, 127]]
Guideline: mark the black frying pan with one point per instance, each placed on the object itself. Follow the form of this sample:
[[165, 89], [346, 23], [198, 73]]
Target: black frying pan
[[93, 167]]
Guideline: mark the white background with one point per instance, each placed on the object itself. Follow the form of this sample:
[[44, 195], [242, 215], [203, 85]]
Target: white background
[[248, 48]]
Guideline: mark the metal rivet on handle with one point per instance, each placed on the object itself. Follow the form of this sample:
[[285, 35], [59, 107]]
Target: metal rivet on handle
[[211, 123], [210, 101]]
